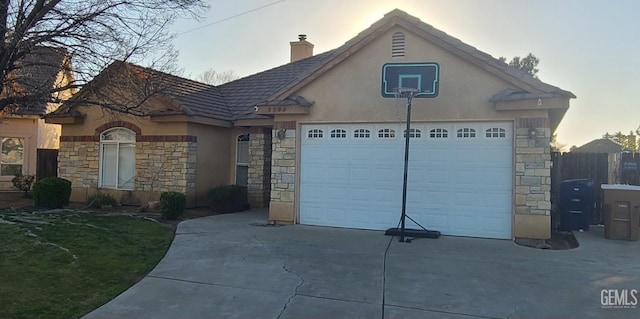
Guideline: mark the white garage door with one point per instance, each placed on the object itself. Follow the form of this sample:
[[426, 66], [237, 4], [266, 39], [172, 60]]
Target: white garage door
[[460, 177]]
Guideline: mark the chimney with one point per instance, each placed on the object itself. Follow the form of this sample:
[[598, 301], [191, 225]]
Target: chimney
[[301, 49]]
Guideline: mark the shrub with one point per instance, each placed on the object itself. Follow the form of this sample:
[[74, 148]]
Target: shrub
[[229, 199], [52, 192], [23, 182], [100, 200], [172, 205]]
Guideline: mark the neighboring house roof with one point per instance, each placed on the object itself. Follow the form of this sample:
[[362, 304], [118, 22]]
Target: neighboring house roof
[[183, 96], [236, 100], [602, 145], [36, 77]]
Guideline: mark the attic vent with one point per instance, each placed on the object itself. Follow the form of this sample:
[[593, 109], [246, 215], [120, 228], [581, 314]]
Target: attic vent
[[397, 45]]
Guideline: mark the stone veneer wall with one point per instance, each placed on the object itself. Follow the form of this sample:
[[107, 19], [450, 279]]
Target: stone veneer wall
[[160, 167], [166, 166], [259, 179], [533, 179], [79, 162], [283, 173]]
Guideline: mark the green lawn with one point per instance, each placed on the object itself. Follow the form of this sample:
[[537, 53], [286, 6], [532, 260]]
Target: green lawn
[[66, 264]]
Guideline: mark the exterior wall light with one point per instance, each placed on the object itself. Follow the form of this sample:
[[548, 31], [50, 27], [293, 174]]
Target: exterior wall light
[[533, 133], [281, 133]]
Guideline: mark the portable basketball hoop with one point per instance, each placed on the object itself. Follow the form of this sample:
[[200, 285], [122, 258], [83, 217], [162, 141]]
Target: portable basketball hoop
[[402, 93]]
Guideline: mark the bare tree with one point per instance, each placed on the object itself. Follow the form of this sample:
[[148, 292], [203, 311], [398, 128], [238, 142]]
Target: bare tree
[[212, 77], [92, 33]]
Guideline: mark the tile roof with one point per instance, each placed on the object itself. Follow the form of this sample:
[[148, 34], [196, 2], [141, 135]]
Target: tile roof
[[243, 94], [36, 76], [236, 100]]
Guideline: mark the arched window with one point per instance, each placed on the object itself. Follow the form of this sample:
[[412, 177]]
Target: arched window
[[315, 133], [496, 132], [117, 158], [439, 133], [397, 45], [386, 133], [338, 133], [242, 160], [361, 133], [466, 132], [414, 133]]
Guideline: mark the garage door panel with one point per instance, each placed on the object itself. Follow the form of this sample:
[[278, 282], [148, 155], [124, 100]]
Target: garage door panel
[[459, 186]]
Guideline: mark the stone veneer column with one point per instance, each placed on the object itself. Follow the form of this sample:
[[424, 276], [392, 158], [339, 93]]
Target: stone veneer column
[[259, 179], [283, 173], [533, 179]]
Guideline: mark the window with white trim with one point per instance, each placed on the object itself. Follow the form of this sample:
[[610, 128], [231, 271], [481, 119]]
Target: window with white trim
[[361, 133], [315, 133], [413, 133], [242, 159], [439, 133], [338, 133], [386, 133], [397, 45], [496, 132], [11, 156], [466, 132], [117, 158]]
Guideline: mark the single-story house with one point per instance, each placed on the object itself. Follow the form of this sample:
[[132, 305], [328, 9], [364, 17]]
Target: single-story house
[[22, 129], [320, 140], [601, 145]]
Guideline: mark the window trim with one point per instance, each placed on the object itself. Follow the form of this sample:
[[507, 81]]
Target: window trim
[[118, 144], [23, 156]]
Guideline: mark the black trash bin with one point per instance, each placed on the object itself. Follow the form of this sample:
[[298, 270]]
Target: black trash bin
[[576, 204]]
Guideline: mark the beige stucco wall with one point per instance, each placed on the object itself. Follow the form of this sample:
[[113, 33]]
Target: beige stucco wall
[[350, 92], [49, 135], [212, 159], [212, 151], [27, 129]]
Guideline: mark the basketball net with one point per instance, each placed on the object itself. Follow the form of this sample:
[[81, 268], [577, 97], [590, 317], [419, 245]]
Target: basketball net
[[402, 97]]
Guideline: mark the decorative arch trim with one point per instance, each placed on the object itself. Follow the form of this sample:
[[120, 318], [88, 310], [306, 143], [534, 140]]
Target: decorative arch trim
[[113, 124]]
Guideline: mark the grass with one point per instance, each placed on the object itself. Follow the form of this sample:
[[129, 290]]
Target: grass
[[66, 264]]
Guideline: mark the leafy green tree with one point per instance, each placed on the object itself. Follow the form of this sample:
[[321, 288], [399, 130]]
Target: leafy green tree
[[528, 64], [629, 142]]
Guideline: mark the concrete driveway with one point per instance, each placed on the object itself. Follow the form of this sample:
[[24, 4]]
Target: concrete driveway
[[222, 267]]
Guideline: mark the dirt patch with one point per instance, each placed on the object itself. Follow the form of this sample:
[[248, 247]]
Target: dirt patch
[[558, 241]]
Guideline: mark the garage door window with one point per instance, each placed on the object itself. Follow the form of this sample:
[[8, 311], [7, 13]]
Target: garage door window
[[496, 132], [315, 133], [438, 133], [413, 133], [466, 133], [338, 133], [386, 133], [361, 133]]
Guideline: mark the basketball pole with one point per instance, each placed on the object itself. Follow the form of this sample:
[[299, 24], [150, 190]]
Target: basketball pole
[[407, 138]]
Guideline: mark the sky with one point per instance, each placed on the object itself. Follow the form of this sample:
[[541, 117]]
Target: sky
[[588, 47]]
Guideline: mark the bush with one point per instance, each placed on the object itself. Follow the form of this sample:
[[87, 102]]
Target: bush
[[52, 192], [23, 182], [172, 205], [101, 200], [229, 199]]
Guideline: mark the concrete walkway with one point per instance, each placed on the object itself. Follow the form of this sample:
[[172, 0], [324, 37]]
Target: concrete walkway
[[223, 267]]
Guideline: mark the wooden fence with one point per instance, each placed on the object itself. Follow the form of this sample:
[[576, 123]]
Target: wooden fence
[[47, 166], [601, 168]]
